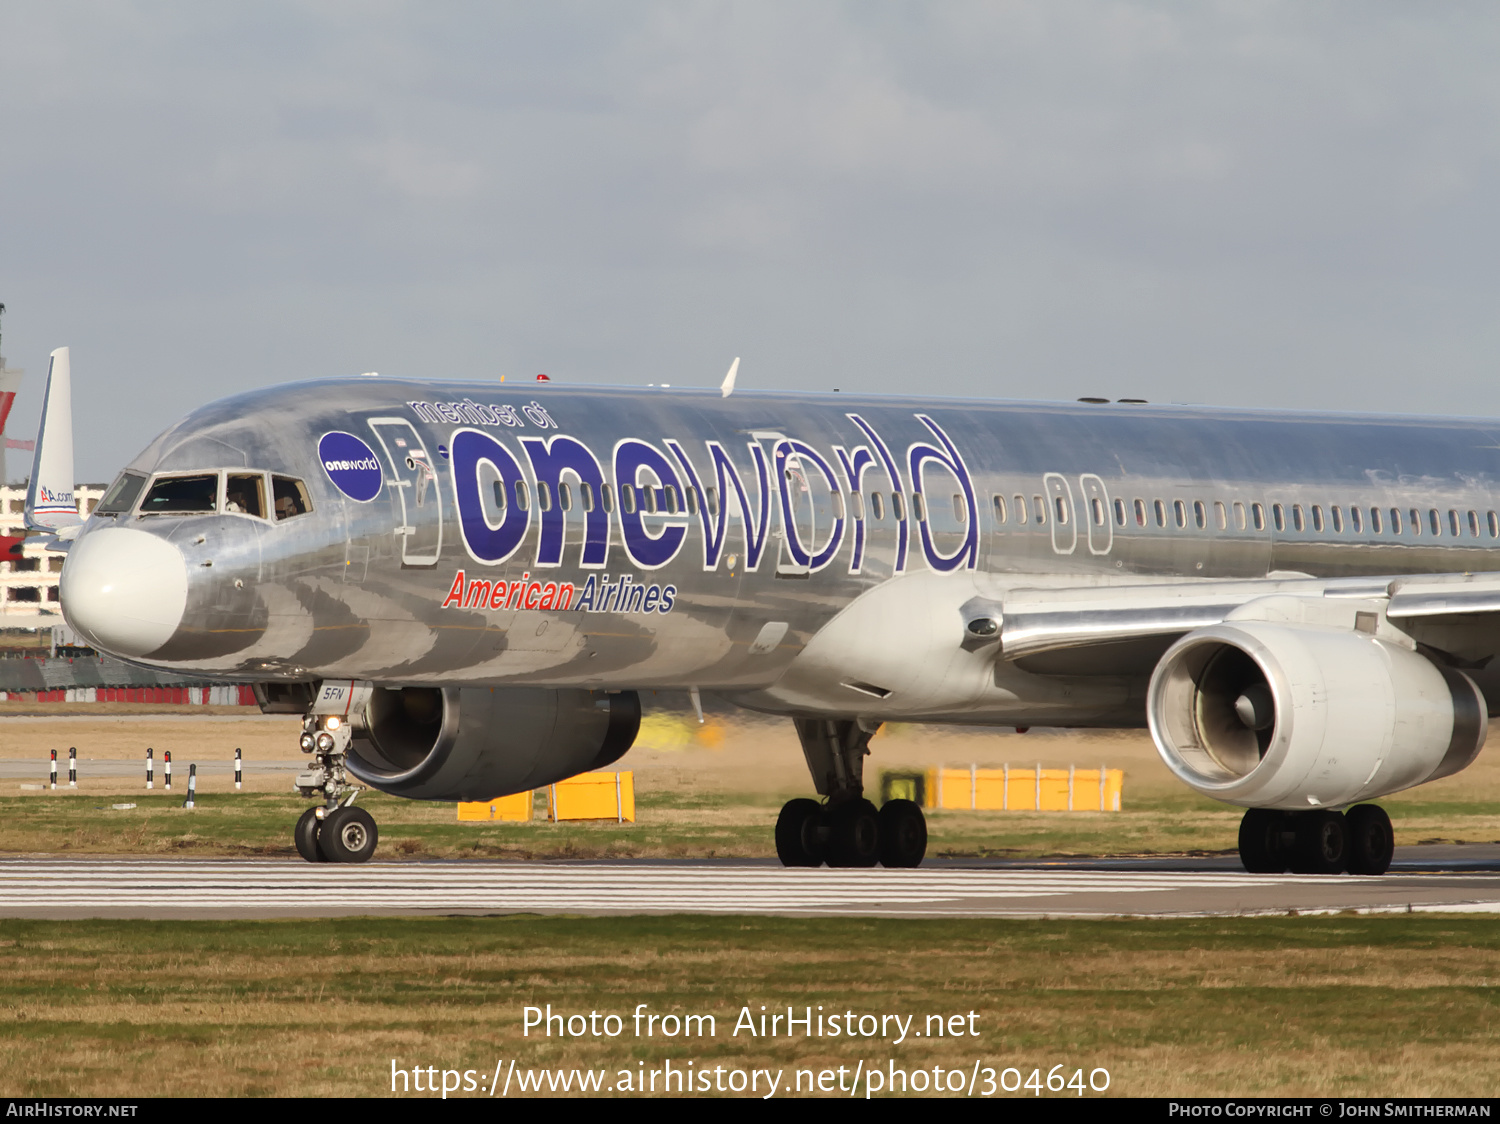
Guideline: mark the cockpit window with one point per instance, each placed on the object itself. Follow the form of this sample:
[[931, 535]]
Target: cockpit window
[[245, 494], [179, 495], [290, 497], [122, 494]]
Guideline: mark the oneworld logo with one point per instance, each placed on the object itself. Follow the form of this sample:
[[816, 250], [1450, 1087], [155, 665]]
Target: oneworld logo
[[351, 465]]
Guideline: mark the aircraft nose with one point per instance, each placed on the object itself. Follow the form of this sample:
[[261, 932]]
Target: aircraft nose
[[124, 591]]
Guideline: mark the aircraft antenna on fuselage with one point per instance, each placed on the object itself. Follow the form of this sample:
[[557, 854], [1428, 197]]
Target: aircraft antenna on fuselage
[[727, 387]]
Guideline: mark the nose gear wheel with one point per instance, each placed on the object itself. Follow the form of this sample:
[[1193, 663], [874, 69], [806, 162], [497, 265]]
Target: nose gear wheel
[[335, 831]]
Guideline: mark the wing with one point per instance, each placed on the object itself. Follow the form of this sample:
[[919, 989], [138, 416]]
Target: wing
[[1116, 629]]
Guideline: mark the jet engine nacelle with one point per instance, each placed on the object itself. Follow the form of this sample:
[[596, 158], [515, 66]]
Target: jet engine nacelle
[[477, 743], [1268, 715]]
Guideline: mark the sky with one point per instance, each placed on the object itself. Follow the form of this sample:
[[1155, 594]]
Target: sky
[[1286, 205]]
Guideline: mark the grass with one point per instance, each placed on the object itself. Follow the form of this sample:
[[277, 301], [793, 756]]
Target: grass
[[670, 824], [1344, 1006]]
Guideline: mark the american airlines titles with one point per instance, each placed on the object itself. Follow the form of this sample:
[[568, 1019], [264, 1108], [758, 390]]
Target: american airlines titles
[[48, 500], [654, 492]]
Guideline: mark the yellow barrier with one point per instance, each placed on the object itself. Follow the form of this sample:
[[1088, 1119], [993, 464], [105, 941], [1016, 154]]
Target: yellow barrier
[[515, 808], [593, 796], [1025, 790]]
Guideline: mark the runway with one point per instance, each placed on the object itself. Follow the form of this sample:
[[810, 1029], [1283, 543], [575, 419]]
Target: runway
[[155, 888]]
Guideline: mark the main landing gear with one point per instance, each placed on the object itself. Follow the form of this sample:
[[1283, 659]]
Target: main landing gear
[[846, 830], [334, 831], [1359, 841]]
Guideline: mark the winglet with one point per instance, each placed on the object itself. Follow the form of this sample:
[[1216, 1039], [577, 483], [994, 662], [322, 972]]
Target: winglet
[[50, 503], [727, 387]]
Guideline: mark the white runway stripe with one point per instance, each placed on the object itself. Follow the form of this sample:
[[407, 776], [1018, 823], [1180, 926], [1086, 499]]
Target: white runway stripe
[[167, 888]]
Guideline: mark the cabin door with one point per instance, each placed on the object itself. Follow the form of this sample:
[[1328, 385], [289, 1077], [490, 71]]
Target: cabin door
[[418, 506]]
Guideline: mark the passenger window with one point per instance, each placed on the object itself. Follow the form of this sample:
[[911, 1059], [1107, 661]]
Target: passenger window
[[289, 497], [999, 509], [673, 504], [838, 505], [1375, 520], [245, 495], [1395, 520], [627, 498], [1338, 519], [607, 497], [122, 494], [1494, 526], [1356, 519], [565, 496], [1278, 516], [1161, 513], [1179, 509], [648, 500], [1317, 517], [898, 509], [1119, 513], [1259, 512], [1062, 510], [498, 487], [1416, 522], [523, 500], [692, 499], [586, 492], [1434, 521], [1021, 510], [1040, 508], [1221, 515], [713, 501], [918, 508], [543, 496], [1239, 515], [183, 495], [1453, 522], [877, 506], [1297, 522], [1098, 506], [960, 510], [1140, 513], [857, 506], [1474, 524], [1200, 514]]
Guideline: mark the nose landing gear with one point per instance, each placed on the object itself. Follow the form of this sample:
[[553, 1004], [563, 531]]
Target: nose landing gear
[[847, 830], [335, 831], [1359, 841]]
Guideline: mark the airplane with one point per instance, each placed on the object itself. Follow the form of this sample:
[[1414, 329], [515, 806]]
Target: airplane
[[463, 587]]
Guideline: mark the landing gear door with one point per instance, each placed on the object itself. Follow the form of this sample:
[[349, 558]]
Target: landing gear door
[[414, 479]]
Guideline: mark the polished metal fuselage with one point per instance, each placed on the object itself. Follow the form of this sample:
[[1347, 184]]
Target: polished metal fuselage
[[731, 595]]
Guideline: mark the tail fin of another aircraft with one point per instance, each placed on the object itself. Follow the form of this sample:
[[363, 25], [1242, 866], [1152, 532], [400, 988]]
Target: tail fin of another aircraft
[[50, 503], [10, 382]]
